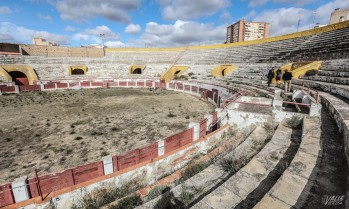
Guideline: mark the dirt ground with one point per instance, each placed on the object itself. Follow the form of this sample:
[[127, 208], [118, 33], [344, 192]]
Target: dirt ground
[[52, 131]]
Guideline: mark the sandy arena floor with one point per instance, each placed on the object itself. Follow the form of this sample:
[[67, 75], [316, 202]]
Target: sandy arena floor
[[52, 131]]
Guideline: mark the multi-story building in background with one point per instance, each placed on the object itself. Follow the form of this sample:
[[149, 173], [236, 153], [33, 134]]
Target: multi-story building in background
[[339, 16], [246, 31]]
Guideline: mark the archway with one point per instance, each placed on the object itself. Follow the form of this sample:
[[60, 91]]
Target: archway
[[137, 71], [19, 78], [173, 72], [223, 72], [78, 71], [25, 75]]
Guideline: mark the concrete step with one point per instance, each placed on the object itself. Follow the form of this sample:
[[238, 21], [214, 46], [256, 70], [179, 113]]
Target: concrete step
[[342, 90], [334, 73], [212, 175], [247, 179], [292, 188], [328, 79]]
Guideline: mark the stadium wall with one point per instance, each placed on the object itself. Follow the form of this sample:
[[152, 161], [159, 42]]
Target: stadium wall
[[58, 51]]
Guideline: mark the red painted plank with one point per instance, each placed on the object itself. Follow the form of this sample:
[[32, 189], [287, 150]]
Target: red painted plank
[[6, 195], [203, 128]]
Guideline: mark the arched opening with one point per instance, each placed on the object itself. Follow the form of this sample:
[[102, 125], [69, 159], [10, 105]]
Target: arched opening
[[19, 78], [223, 72], [78, 71], [177, 72], [137, 71]]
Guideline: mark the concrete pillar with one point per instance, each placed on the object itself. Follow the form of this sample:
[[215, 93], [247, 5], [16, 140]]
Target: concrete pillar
[[68, 85], [298, 94], [315, 109], [167, 85], [0, 92], [79, 84], [161, 147], [55, 86], [277, 104], [108, 165], [209, 121], [219, 116], [16, 89], [90, 84], [20, 189], [42, 88], [277, 94], [306, 100], [196, 128]]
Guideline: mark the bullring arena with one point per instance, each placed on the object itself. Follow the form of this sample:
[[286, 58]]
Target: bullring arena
[[191, 127]]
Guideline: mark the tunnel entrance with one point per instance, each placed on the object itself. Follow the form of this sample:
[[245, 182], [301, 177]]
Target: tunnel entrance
[[137, 71], [223, 72], [19, 78], [78, 72]]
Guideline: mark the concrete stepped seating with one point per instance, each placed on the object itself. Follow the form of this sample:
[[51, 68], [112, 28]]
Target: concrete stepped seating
[[242, 183], [342, 90], [336, 64], [328, 79], [292, 188], [210, 177], [251, 76], [248, 85], [333, 73]]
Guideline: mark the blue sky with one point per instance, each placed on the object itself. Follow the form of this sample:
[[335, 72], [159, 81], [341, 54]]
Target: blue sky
[[152, 23]]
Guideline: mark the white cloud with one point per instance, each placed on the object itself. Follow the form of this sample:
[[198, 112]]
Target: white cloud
[[5, 37], [256, 3], [226, 16], [5, 10], [19, 34], [44, 17], [81, 10], [69, 28], [191, 9], [285, 20], [96, 35], [133, 29], [250, 15], [114, 44], [181, 33]]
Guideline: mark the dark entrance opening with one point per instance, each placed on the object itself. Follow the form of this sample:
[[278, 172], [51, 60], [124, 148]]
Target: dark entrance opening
[[137, 71], [19, 78], [177, 72], [223, 71], [77, 72]]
